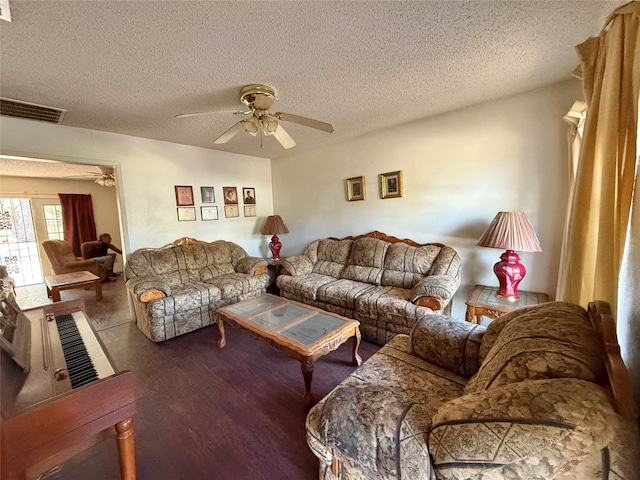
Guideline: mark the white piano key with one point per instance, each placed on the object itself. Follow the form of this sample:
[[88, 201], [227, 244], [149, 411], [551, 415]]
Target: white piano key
[[94, 349]]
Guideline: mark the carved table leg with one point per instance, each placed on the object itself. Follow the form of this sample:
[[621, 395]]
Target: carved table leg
[[471, 313], [357, 360], [222, 342], [126, 449], [307, 373], [98, 287]]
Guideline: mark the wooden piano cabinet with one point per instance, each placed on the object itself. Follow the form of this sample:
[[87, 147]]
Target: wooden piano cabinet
[[44, 435]]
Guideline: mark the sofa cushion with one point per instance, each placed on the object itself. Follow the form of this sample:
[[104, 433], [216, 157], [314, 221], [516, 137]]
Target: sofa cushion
[[552, 340], [211, 259], [342, 293], [449, 343], [533, 429], [304, 286], [366, 260], [329, 256], [404, 265], [234, 285]]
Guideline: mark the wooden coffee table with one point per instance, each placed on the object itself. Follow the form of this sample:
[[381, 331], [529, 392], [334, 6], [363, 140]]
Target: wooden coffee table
[[303, 332], [65, 281]]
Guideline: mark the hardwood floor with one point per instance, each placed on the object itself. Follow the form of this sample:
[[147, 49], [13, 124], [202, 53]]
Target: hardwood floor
[[207, 413]]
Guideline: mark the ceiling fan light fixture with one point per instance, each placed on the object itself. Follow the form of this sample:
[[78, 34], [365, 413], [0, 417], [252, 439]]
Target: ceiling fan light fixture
[[269, 125], [106, 181], [251, 125]]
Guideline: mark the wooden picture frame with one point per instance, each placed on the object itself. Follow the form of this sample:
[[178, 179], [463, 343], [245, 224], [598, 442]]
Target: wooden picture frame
[[249, 195], [186, 214], [209, 213], [230, 195], [249, 210], [231, 211], [184, 195], [207, 195], [356, 189], [391, 185]]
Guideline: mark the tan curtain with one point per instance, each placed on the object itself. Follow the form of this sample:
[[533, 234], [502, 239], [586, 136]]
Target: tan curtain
[[597, 227]]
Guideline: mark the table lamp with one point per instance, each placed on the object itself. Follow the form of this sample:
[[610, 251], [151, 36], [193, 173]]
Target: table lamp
[[511, 231], [274, 226]]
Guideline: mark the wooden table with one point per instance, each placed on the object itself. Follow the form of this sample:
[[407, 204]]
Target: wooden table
[[483, 302], [303, 332], [56, 283]]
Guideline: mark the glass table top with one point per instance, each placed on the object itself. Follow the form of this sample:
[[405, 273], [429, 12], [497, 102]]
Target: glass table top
[[297, 322]]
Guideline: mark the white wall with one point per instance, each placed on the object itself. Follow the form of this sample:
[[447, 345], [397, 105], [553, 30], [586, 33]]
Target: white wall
[[147, 171], [459, 170]]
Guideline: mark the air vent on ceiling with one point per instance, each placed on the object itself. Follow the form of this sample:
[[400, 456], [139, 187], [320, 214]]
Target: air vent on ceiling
[[31, 111]]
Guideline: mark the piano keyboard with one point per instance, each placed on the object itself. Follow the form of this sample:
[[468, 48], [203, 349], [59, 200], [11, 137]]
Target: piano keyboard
[[83, 354]]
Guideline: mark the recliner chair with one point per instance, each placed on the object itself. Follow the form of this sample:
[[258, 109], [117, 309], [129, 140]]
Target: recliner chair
[[63, 260]]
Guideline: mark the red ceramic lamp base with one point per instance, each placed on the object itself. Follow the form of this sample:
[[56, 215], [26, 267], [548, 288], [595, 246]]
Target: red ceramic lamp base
[[275, 247], [510, 273]]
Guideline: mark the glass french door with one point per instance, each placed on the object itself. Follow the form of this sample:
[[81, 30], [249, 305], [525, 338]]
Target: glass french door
[[18, 245]]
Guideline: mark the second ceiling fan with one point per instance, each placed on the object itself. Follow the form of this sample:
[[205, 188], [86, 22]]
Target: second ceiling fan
[[259, 99]]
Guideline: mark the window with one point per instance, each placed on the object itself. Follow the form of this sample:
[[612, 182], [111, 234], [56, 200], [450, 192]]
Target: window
[[53, 222]]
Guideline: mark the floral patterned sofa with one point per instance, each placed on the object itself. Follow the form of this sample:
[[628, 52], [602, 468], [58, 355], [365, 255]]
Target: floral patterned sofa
[[538, 394], [386, 283], [178, 288]]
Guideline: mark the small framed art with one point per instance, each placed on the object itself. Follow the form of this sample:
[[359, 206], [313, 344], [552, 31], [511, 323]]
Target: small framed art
[[207, 195], [186, 214], [209, 213], [391, 184], [249, 195], [249, 210], [184, 195], [230, 195], [231, 211], [355, 189]]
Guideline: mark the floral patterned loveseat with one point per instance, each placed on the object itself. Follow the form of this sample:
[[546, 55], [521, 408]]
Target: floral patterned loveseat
[[386, 283], [528, 397], [178, 288]]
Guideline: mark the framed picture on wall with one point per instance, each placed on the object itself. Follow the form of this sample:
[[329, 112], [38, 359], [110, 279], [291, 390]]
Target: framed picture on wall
[[207, 195], [209, 213], [391, 184], [230, 195], [184, 195], [186, 214], [355, 189], [249, 210], [249, 195], [231, 211]]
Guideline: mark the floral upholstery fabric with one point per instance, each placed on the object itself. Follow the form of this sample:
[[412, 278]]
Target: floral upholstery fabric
[[530, 429], [383, 408], [410, 412], [449, 343], [192, 281], [377, 282], [552, 341]]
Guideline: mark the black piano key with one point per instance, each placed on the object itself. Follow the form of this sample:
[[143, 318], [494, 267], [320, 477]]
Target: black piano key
[[79, 365]]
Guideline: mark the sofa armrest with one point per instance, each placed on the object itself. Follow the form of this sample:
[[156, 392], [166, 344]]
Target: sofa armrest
[[79, 263], [434, 291], [449, 343], [251, 266], [296, 265], [148, 288]]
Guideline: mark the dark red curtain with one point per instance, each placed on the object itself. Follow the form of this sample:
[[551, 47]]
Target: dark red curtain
[[77, 218]]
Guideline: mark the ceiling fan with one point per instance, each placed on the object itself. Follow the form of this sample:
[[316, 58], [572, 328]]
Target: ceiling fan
[[105, 177], [259, 99]]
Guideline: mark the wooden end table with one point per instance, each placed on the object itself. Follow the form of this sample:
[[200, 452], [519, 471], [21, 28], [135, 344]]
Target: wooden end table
[[303, 332], [65, 281], [483, 302]]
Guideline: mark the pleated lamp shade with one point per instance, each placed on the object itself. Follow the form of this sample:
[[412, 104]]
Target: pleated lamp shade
[[274, 226], [511, 231]]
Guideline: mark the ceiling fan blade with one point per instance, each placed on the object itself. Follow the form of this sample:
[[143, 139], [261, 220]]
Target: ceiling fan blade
[[197, 114], [229, 134], [307, 122], [283, 137]]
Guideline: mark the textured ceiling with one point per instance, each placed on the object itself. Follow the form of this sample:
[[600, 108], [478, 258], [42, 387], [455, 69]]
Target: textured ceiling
[[130, 67]]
